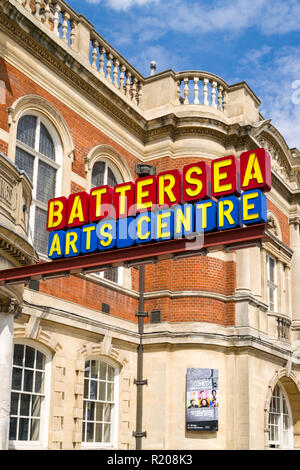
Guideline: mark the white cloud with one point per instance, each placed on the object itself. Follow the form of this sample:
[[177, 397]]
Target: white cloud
[[126, 4]]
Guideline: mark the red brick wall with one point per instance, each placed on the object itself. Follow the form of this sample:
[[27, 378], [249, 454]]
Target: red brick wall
[[3, 147]]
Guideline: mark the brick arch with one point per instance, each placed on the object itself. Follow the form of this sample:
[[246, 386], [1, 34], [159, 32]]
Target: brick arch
[[291, 384]]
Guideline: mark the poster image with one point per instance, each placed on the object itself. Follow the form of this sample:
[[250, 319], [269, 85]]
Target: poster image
[[202, 400]]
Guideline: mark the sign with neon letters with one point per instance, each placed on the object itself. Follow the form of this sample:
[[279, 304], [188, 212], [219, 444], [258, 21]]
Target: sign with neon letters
[[172, 204]]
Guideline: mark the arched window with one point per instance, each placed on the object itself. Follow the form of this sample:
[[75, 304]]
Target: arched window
[[37, 153], [28, 411], [280, 420], [99, 403], [102, 174]]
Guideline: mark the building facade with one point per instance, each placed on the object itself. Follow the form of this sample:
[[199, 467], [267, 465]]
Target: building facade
[[75, 114]]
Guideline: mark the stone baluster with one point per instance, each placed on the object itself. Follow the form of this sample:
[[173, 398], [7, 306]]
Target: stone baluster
[[57, 10], [95, 44], [122, 78], [47, 13], [64, 28], [205, 92], [128, 84], [37, 8], [134, 90], [213, 94], [109, 57], [178, 83], [73, 32], [196, 90], [116, 72], [27, 5], [220, 97], [186, 90], [140, 93], [101, 61], [224, 100]]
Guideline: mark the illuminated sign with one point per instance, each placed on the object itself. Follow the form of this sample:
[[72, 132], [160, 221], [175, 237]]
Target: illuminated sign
[[170, 205]]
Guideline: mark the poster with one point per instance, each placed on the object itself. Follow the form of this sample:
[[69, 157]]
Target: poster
[[202, 400]]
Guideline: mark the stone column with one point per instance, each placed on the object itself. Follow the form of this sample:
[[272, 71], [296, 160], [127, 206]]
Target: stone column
[[8, 309], [295, 280]]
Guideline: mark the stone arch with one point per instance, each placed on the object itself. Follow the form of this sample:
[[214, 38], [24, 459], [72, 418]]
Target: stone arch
[[34, 332], [103, 350], [37, 103], [112, 156], [291, 385]]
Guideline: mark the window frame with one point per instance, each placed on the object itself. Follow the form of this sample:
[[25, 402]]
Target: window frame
[[56, 164], [273, 285], [280, 443], [115, 410], [42, 443]]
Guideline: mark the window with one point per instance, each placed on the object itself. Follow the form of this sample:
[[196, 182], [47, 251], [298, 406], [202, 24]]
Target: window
[[280, 420], [36, 154], [103, 174], [272, 283], [99, 403], [28, 408]]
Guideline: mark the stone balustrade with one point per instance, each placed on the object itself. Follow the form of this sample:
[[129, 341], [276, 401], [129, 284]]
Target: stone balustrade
[[116, 70], [201, 88], [77, 34]]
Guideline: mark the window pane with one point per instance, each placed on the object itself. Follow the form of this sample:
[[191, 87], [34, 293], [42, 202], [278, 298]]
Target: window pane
[[13, 429], [111, 180], [110, 392], [86, 389], [18, 354], [16, 379], [110, 375], [90, 411], [40, 232], [36, 406], [46, 143], [24, 161], [87, 368], [34, 429], [94, 369], [102, 391], [93, 390], [28, 380], [25, 404], [14, 403], [107, 432], [29, 357], [39, 382], [40, 360], [272, 269], [98, 174], [26, 130], [107, 413], [23, 429], [99, 412], [98, 437], [45, 182], [90, 432], [102, 371]]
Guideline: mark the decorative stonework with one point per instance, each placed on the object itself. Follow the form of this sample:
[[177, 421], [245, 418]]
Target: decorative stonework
[[27, 330], [10, 307], [274, 225]]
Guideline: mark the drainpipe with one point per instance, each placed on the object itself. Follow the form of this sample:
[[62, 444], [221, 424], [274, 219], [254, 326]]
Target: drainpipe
[[141, 170]]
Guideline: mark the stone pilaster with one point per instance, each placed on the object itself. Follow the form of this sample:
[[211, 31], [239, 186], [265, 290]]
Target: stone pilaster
[[295, 280], [8, 308]]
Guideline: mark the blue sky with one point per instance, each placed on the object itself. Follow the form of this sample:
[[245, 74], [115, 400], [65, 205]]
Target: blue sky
[[257, 41]]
